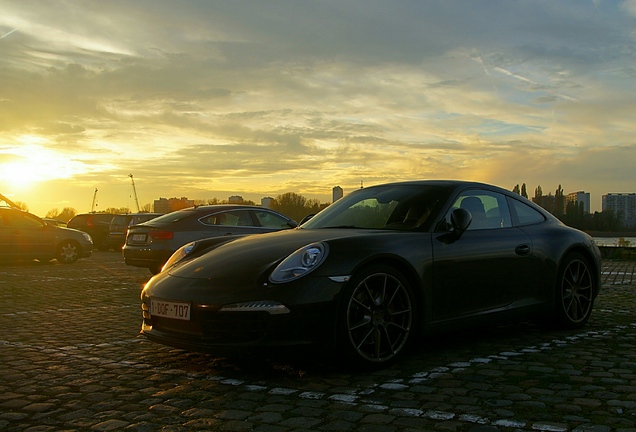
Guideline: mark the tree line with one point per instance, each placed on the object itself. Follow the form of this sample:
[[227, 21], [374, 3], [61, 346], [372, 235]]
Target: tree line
[[290, 204], [296, 206], [572, 213]]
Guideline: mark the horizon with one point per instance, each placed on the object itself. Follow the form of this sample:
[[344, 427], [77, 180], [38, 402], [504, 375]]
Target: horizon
[[131, 198], [214, 99]]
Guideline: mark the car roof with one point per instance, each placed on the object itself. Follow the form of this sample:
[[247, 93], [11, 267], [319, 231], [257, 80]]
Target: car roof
[[94, 214], [452, 184], [139, 214], [455, 183], [213, 207], [15, 210]]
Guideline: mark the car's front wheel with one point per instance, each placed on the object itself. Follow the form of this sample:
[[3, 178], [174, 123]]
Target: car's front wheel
[[377, 317], [68, 252], [575, 290]]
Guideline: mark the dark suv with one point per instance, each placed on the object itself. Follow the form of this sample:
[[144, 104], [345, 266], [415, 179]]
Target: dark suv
[[120, 223], [95, 224]]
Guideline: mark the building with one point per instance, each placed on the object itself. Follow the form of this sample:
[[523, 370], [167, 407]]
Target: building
[[235, 199], [336, 194], [622, 204], [577, 198], [164, 205], [267, 202]]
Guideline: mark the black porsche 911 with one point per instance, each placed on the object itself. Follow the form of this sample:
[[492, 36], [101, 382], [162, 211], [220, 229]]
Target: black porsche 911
[[375, 270]]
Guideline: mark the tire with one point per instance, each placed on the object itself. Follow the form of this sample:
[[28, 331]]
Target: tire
[[155, 269], [575, 289], [68, 252], [376, 319]]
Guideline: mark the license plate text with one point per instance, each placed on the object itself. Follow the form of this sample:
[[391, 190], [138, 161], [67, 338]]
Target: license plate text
[[170, 309]]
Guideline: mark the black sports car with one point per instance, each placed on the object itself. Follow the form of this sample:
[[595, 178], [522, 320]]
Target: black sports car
[[366, 276]]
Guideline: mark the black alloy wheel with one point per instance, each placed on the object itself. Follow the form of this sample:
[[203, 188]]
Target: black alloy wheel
[[575, 292], [378, 318], [67, 252]]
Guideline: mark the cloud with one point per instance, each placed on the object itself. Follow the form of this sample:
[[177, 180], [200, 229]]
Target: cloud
[[285, 95], [629, 6]]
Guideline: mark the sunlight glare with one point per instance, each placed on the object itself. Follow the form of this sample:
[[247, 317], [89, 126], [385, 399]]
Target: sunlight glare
[[32, 163]]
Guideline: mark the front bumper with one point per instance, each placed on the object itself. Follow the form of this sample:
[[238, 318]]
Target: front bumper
[[226, 332], [311, 320]]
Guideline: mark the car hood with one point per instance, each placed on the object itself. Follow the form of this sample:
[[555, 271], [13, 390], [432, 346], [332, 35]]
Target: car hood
[[61, 232], [256, 256]]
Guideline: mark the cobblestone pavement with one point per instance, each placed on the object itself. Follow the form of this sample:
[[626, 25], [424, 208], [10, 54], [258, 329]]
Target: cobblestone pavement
[[71, 359]]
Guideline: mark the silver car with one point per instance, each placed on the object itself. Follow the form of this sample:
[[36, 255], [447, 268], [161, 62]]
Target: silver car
[[151, 243]]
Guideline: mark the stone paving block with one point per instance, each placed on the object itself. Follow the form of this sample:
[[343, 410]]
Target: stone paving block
[[60, 372]]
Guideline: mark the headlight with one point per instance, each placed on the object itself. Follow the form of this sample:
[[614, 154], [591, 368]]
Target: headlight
[[179, 254], [87, 237], [300, 263]]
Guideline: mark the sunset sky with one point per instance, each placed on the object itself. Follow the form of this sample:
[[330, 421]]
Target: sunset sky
[[205, 99]]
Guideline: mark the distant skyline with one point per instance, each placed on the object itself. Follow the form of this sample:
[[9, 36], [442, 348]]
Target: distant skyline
[[219, 98]]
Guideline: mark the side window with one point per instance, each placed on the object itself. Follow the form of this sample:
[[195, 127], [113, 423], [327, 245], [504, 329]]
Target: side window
[[229, 218], [525, 215], [23, 220], [489, 210], [270, 220]]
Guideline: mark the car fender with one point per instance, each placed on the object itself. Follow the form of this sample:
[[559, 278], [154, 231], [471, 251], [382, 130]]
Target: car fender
[[401, 250]]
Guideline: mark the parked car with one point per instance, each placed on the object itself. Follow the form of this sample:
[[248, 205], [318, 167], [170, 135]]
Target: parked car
[[368, 275], [55, 222], [24, 236], [95, 224], [151, 243], [119, 226]]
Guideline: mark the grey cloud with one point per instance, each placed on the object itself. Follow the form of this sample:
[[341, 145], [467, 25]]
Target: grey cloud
[[354, 89]]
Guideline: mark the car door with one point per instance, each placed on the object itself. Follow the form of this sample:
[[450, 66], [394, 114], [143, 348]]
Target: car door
[[29, 235], [233, 222], [6, 245], [488, 266], [269, 221]]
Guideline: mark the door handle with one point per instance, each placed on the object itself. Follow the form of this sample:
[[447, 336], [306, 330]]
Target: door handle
[[522, 250]]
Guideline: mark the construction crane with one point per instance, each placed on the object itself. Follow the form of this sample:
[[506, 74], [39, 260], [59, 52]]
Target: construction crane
[[135, 192], [93, 203]]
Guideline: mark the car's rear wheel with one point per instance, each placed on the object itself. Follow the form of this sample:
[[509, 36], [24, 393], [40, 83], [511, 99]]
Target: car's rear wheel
[[68, 252], [574, 292], [377, 317]]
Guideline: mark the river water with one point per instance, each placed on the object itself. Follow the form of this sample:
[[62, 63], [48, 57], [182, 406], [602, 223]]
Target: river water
[[615, 241]]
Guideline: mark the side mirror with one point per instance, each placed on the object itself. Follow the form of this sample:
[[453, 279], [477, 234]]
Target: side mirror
[[460, 221], [306, 218]]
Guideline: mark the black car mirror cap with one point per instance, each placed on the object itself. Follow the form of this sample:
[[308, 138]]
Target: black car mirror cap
[[306, 218], [460, 221]]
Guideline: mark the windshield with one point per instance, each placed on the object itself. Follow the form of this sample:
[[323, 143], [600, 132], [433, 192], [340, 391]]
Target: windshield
[[120, 220], [174, 216], [397, 207]]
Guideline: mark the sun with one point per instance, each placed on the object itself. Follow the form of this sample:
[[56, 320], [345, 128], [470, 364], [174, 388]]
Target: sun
[[19, 175], [24, 166]]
